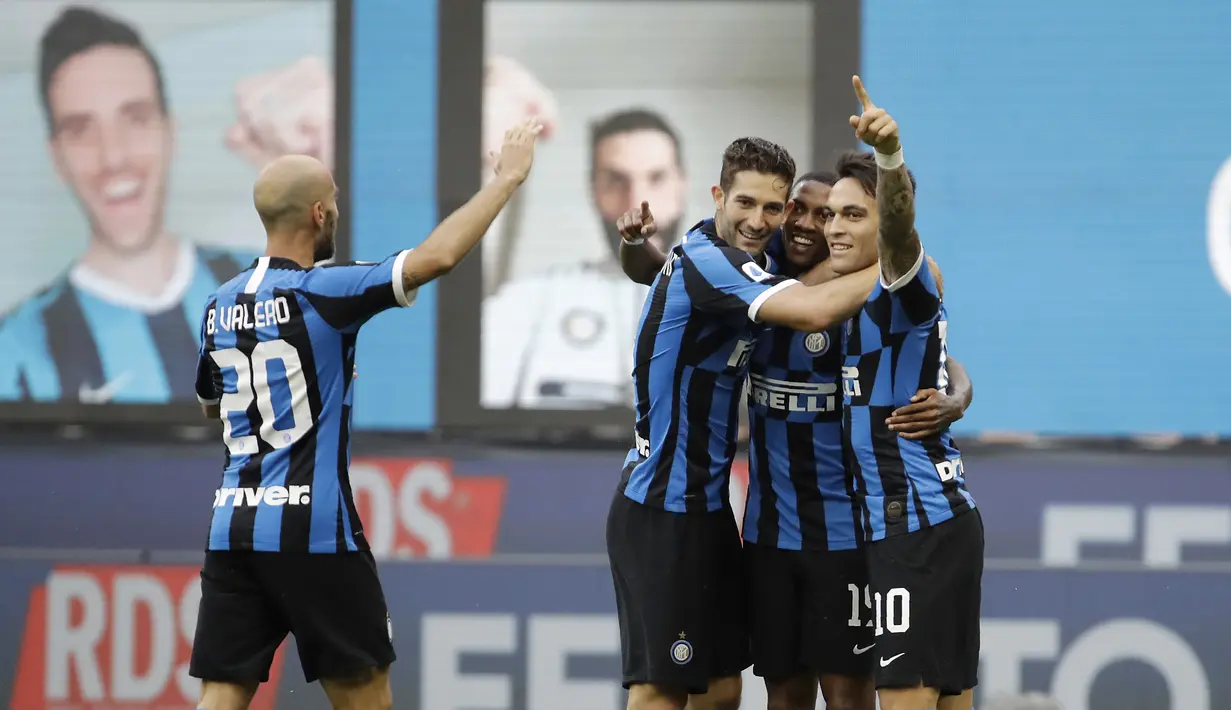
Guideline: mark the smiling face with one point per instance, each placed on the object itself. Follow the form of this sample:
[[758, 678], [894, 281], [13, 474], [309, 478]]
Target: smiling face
[[112, 143], [850, 227], [803, 232], [747, 214]]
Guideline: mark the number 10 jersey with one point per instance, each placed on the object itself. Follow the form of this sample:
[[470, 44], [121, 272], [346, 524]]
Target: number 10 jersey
[[277, 355]]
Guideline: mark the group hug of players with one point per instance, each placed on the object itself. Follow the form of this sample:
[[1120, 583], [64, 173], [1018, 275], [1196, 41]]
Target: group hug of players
[[862, 559], [862, 552]]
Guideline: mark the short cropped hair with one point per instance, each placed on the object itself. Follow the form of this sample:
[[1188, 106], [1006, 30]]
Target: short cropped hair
[[628, 121], [825, 177], [861, 165], [78, 30], [757, 155]]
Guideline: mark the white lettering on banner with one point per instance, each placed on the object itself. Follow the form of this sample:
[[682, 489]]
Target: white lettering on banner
[[405, 507], [1006, 644], [86, 623], [785, 396], [267, 495], [1166, 530], [550, 640]]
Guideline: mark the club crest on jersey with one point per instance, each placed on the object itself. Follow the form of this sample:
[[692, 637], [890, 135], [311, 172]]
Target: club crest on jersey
[[582, 327], [754, 272], [817, 343], [681, 652]]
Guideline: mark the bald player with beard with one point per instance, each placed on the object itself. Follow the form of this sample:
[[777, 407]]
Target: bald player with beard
[[286, 551]]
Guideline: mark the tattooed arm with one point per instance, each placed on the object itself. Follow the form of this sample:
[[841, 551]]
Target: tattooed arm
[[897, 239]]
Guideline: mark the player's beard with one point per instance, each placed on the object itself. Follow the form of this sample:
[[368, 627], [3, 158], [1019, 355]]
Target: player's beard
[[324, 246], [668, 236]]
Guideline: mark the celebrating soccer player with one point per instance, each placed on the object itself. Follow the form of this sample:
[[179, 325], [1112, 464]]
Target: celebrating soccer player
[[674, 548], [924, 536], [804, 570], [286, 549]]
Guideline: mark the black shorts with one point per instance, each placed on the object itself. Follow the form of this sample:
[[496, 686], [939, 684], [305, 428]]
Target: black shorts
[[679, 595], [926, 588], [332, 603], [807, 613]]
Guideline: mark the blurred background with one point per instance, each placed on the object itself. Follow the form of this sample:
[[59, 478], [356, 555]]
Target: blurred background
[[1074, 185]]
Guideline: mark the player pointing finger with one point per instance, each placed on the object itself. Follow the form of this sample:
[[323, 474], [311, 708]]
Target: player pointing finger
[[874, 125], [637, 225]]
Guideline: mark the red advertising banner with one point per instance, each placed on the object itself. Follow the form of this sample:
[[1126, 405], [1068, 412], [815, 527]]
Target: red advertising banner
[[114, 638]]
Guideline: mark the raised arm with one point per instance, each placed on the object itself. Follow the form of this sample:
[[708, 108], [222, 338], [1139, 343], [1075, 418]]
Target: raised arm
[[895, 195], [458, 234], [639, 258]]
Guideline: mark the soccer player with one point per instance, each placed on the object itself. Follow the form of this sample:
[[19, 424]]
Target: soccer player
[[286, 548], [672, 540], [924, 535], [805, 571]]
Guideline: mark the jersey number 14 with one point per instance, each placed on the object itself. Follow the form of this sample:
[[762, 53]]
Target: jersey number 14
[[252, 382]]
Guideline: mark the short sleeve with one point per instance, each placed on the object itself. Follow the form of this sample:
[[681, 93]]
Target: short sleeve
[[208, 374], [723, 279], [347, 295], [915, 292]]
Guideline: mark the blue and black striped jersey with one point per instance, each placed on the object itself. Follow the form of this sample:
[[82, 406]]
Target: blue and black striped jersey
[[894, 347], [697, 330], [799, 495], [277, 355], [86, 339]]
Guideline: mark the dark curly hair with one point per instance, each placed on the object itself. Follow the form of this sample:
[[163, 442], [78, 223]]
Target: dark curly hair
[[861, 165], [757, 155]]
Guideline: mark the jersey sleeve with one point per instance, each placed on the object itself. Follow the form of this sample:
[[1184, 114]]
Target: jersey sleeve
[[208, 374], [916, 292], [347, 295], [723, 279]]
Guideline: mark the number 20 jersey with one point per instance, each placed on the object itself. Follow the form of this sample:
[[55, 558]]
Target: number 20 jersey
[[277, 355], [894, 347]]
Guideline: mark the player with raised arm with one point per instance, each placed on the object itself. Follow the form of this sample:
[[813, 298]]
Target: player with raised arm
[[286, 550], [675, 552], [805, 570], [924, 535]]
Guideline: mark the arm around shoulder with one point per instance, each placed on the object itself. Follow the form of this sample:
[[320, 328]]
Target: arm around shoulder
[[814, 308]]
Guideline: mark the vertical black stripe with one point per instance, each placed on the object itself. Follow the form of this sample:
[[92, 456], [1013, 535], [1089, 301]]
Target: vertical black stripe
[[919, 304], [177, 349], [71, 344], [657, 494], [207, 348], [644, 352], [296, 532], [801, 443], [243, 518], [767, 522], [348, 495], [890, 467], [222, 266], [857, 485], [702, 391]]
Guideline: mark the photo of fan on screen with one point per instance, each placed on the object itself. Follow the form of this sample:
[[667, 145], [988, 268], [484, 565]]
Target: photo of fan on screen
[[559, 316], [131, 200]]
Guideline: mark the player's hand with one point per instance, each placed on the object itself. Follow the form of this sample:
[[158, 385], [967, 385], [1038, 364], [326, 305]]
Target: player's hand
[[288, 110], [517, 153], [929, 412], [637, 224], [874, 126], [512, 94]]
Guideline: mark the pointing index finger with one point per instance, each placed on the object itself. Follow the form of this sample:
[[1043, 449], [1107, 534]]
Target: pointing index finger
[[861, 93], [645, 211]]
